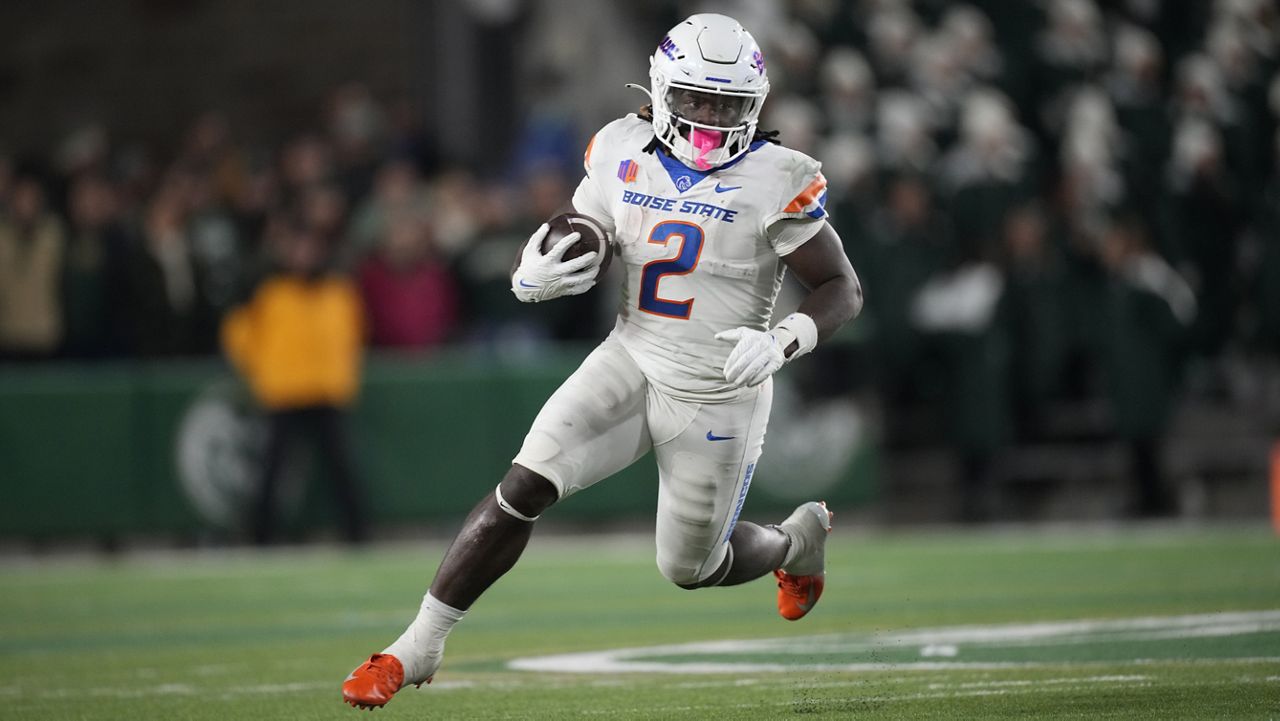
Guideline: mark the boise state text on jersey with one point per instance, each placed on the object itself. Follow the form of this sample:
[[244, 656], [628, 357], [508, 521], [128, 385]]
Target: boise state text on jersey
[[669, 205]]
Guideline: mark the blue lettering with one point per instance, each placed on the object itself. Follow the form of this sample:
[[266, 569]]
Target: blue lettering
[[673, 205], [742, 497]]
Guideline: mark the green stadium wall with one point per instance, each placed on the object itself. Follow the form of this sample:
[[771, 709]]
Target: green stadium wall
[[90, 450]]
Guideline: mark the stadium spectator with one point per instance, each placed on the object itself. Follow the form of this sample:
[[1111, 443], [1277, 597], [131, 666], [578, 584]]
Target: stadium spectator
[[904, 135], [848, 92], [357, 127], [971, 40], [1071, 50], [1033, 314], [306, 161], [93, 281], [209, 150], [1135, 85], [1265, 286], [892, 30], [298, 343], [33, 248], [1203, 225], [986, 173], [908, 241], [409, 294], [168, 313], [1149, 309], [398, 189], [213, 238]]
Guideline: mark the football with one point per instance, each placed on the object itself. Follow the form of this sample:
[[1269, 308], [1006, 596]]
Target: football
[[593, 238]]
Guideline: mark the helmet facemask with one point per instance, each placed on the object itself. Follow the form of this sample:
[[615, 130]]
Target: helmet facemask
[[705, 127]]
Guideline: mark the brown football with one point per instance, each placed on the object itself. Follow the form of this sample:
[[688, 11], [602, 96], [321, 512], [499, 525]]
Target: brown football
[[593, 238]]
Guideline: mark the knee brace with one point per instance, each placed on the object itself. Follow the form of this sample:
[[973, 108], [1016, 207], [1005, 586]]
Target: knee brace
[[507, 508]]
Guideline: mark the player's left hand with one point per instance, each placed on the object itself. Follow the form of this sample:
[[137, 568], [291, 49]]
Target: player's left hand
[[755, 357]]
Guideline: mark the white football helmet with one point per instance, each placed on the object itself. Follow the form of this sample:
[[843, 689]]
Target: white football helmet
[[708, 85]]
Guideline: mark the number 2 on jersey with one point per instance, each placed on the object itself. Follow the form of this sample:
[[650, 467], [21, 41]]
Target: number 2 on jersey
[[690, 238]]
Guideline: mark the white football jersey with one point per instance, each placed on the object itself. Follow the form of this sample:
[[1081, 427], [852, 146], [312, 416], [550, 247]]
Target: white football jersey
[[700, 250]]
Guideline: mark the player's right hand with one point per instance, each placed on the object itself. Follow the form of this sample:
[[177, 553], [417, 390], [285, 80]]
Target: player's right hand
[[542, 277]]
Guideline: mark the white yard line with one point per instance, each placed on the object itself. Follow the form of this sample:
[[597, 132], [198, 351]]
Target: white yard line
[[1147, 628]]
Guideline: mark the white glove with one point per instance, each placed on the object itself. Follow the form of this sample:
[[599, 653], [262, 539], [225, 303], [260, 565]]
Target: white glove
[[755, 357], [542, 277], [759, 355]]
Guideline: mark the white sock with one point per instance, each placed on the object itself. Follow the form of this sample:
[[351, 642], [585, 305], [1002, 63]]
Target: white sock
[[421, 646]]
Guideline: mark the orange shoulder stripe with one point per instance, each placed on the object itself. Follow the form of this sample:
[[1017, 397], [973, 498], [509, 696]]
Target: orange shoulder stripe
[[807, 196]]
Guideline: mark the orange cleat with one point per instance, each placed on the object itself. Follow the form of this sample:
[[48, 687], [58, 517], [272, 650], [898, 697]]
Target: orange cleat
[[797, 594], [374, 682], [802, 577]]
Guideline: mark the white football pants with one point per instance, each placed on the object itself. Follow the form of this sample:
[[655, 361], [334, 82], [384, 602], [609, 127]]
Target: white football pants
[[606, 416]]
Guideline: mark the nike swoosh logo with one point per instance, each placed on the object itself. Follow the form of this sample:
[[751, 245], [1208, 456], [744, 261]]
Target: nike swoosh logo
[[726, 188], [713, 437], [526, 285], [808, 604]]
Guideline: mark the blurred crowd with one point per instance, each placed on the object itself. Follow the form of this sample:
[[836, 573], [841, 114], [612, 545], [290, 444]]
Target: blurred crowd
[[1048, 202], [128, 252], [1042, 198], [1057, 142]]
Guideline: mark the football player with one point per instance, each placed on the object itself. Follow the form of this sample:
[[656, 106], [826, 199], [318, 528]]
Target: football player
[[706, 213]]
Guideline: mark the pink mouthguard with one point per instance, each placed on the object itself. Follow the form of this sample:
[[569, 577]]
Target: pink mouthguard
[[705, 141]]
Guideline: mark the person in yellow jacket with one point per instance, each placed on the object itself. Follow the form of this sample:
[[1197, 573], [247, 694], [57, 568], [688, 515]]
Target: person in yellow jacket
[[298, 342]]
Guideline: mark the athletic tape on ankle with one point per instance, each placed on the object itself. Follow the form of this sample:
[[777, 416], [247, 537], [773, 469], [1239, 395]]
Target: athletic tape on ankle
[[506, 507], [803, 329]]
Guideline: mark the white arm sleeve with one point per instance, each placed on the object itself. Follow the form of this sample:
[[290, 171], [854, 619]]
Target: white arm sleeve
[[788, 234]]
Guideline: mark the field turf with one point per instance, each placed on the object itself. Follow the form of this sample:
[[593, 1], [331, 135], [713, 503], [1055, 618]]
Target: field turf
[[1094, 622]]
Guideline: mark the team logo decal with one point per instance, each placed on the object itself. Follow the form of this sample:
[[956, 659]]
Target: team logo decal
[[668, 47], [683, 183], [627, 170], [218, 450], [757, 62]]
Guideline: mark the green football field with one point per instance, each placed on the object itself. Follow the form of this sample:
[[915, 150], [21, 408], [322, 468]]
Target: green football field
[[1165, 622]]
